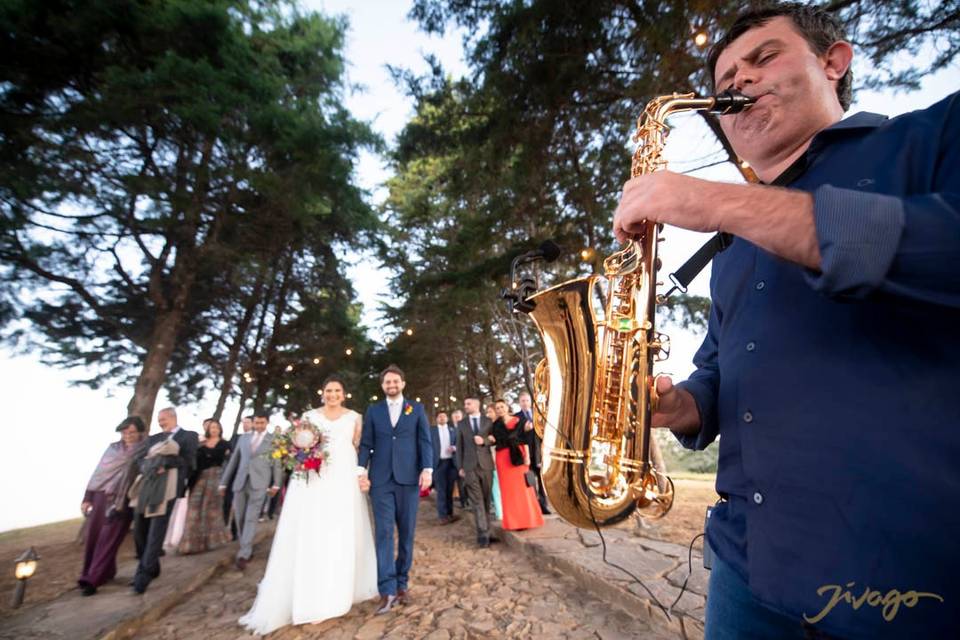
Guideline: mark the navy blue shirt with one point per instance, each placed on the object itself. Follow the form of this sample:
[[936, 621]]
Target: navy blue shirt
[[836, 392]]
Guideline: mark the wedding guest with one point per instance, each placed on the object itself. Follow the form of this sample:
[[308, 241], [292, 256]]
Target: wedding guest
[[444, 467], [491, 414], [476, 466], [104, 505], [255, 476], [247, 426], [456, 416], [534, 445], [165, 468], [205, 529], [520, 507]]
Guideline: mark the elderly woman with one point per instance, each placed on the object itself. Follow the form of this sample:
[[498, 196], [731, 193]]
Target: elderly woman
[[104, 503]]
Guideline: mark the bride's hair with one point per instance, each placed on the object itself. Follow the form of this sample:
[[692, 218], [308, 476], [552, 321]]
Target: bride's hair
[[333, 378]]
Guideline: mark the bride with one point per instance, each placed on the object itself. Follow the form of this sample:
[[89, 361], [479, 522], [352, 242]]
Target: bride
[[323, 558]]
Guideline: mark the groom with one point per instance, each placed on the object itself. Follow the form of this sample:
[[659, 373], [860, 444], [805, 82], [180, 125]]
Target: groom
[[396, 442]]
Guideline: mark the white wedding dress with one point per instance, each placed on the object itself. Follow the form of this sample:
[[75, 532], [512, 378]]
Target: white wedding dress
[[323, 558]]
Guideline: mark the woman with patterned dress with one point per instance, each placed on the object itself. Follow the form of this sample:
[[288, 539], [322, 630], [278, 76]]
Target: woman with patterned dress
[[204, 529], [323, 559], [519, 500]]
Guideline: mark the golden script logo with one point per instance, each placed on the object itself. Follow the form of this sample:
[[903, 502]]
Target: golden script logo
[[890, 601]]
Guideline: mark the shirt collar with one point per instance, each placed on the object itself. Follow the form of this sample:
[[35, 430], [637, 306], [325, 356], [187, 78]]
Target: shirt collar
[[394, 403], [859, 122]]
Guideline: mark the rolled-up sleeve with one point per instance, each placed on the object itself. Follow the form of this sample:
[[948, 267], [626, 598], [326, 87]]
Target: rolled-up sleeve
[[905, 245]]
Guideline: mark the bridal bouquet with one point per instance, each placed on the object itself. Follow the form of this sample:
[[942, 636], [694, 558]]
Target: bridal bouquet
[[301, 449]]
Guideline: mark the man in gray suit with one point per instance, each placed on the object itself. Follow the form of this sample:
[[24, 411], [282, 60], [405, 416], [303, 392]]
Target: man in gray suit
[[475, 462], [257, 476]]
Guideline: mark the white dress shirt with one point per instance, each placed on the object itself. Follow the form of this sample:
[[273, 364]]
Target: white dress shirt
[[444, 431], [394, 407]]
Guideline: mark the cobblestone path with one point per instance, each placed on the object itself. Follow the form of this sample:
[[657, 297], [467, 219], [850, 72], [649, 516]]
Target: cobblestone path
[[458, 591]]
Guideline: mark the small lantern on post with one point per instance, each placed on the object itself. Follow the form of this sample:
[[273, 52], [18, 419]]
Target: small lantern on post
[[26, 565]]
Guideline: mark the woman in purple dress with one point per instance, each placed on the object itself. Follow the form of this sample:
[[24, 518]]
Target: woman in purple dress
[[104, 504]]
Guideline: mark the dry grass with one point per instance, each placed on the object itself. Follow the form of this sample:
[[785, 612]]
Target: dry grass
[[693, 493]]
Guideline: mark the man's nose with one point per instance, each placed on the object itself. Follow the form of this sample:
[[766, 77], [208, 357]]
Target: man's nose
[[745, 76]]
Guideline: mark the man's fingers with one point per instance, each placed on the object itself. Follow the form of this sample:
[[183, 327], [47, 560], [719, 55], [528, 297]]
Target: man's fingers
[[664, 384]]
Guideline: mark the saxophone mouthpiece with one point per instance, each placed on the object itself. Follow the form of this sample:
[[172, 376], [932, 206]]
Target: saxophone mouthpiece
[[731, 101]]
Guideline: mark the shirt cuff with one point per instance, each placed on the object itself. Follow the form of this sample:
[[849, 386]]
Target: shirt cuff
[[430, 469], [858, 235], [707, 433], [361, 471]]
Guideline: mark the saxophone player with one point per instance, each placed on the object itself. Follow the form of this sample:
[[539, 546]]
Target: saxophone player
[[830, 364]]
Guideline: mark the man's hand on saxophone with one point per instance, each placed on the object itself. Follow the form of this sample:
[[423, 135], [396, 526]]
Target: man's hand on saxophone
[[676, 409], [775, 219]]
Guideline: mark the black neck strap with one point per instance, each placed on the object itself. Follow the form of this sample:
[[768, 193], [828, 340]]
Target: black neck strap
[[682, 277]]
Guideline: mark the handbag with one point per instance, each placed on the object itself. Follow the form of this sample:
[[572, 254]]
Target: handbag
[[531, 479]]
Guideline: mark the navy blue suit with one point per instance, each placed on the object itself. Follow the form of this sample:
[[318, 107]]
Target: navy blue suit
[[444, 471], [396, 455]]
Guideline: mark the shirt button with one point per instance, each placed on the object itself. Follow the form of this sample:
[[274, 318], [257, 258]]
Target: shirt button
[[748, 417], [760, 285], [758, 497], [751, 346]]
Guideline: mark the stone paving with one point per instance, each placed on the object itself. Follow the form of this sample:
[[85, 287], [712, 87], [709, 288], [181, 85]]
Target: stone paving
[[524, 587]]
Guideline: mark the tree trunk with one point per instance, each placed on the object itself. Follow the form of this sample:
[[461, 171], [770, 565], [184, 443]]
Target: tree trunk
[[243, 328], [154, 371], [236, 421]]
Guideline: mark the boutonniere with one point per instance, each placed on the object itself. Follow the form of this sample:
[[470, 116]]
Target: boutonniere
[[407, 409]]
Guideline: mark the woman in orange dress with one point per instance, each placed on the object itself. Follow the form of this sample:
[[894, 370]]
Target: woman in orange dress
[[519, 500]]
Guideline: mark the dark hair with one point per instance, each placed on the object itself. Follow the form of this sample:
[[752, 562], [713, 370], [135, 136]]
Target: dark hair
[[261, 414], [132, 420], [211, 422], [499, 400], [392, 369], [333, 378], [819, 28]]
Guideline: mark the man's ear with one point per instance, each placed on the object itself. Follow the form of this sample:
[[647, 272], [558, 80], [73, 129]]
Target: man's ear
[[837, 59]]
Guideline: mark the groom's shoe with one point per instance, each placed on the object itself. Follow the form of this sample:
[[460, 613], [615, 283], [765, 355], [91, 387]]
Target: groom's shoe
[[386, 603], [403, 596], [242, 564]]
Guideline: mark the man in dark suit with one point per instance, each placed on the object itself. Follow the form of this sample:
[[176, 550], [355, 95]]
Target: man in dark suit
[[475, 462], [455, 417], [395, 442], [444, 467], [534, 444], [149, 532]]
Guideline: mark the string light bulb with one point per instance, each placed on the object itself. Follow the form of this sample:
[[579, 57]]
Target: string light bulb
[[409, 332], [349, 352], [316, 361], [701, 38]]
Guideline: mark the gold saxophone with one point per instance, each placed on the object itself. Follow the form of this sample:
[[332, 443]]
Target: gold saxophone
[[594, 389]]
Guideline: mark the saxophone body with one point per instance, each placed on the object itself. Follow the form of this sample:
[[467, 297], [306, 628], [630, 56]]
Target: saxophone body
[[595, 390]]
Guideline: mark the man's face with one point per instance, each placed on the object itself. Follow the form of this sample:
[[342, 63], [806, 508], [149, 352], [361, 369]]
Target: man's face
[[441, 419], [260, 424], [795, 91], [471, 405], [247, 425], [524, 401], [166, 420], [392, 385], [457, 415]]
